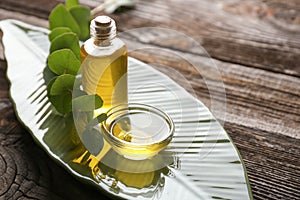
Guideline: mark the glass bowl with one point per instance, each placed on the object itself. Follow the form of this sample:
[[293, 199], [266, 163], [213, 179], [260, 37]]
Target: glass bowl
[[137, 131]]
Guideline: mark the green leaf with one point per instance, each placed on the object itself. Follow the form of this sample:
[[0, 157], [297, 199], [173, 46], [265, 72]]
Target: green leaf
[[63, 61], [62, 103], [71, 3], [60, 93], [58, 31], [78, 85], [60, 17], [50, 83], [78, 92], [63, 84], [96, 120], [87, 102], [48, 75], [93, 141], [82, 15], [66, 41]]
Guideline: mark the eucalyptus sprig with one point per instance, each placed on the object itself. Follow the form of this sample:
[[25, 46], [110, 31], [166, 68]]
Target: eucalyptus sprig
[[72, 15], [69, 23]]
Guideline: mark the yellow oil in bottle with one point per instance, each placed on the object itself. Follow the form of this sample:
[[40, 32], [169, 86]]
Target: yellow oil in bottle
[[104, 64], [106, 76]]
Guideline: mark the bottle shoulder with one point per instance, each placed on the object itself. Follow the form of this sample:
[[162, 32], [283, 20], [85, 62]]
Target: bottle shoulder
[[116, 45]]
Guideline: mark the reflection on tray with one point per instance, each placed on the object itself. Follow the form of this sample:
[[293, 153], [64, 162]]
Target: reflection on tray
[[135, 177]]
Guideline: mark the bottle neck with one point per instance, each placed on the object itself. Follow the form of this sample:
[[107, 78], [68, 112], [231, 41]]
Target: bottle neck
[[103, 30]]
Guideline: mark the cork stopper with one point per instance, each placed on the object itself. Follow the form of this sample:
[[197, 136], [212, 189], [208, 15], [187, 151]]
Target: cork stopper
[[103, 29]]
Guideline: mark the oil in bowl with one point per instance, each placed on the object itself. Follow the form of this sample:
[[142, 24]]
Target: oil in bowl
[[137, 131]]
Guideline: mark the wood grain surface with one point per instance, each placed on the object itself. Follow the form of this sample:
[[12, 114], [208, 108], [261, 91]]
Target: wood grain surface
[[254, 44]]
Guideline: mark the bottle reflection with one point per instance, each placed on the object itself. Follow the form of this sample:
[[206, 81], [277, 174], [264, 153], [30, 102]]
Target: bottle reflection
[[133, 177], [89, 156]]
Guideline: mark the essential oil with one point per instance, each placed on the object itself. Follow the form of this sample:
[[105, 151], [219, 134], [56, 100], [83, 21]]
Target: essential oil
[[104, 63], [143, 128], [137, 131]]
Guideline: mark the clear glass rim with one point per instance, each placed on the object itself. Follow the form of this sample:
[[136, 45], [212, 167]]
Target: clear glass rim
[[135, 106]]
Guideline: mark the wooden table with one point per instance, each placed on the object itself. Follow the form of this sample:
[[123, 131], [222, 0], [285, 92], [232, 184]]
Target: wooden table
[[256, 46]]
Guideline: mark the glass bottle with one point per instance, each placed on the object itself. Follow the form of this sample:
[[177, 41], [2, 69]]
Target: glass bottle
[[104, 63]]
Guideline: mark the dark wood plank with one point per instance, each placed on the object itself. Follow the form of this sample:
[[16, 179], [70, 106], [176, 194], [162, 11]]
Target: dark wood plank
[[251, 33], [272, 96], [39, 8], [244, 32]]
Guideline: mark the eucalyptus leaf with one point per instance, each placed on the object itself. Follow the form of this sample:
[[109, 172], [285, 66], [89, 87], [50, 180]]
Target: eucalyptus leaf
[[50, 83], [71, 3], [77, 90], [63, 61], [96, 120], [60, 17], [63, 84], [48, 75], [82, 15], [66, 41], [58, 31], [62, 103], [78, 83], [87, 102], [60, 93], [93, 141]]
